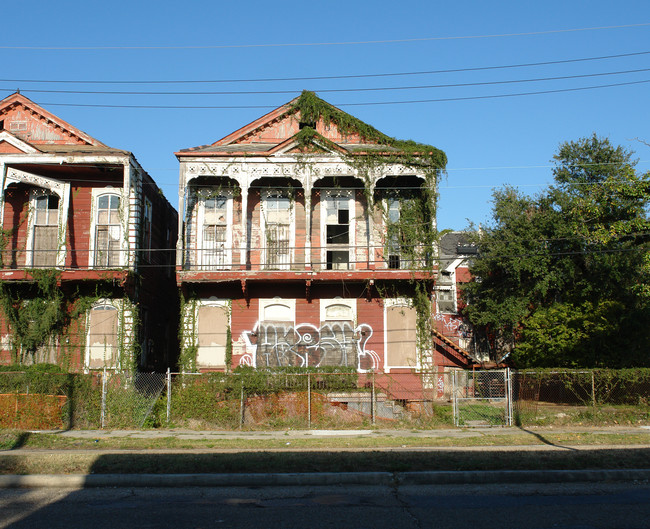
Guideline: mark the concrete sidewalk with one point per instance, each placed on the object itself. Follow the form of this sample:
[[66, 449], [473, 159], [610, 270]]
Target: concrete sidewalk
[[330, 478], [311, 434]]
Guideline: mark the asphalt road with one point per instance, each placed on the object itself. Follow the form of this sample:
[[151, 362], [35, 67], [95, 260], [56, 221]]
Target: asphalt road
[[576, 506]]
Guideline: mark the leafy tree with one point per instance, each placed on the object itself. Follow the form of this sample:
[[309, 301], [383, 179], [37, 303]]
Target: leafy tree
[[563, 277]]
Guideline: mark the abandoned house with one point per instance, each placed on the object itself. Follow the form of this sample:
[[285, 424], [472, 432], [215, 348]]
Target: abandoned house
[[87, 271], [308, 239]]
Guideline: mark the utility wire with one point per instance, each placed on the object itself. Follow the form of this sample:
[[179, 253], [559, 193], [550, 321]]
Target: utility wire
[[419, 101], [331, 90], [328, 77], [342, 43]]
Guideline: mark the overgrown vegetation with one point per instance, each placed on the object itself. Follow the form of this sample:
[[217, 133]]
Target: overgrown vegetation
[[564, 276], [38, 313], [34, 318], [407, 205]]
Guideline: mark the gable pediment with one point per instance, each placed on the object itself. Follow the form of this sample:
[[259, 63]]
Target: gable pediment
[[310, 143], [334, 131], [33, 124]]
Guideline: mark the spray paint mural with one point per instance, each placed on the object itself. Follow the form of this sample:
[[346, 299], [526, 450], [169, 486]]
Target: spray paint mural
[[281, 344]]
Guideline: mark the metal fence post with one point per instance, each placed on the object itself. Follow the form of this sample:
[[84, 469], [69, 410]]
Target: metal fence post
[[103, 406], [593, 389], [308, 400], [169, 394], [373, 401], [454, 404], [509, 399], [241, 406]]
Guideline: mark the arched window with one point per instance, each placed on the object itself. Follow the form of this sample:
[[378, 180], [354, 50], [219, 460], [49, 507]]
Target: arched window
[[102, 336]]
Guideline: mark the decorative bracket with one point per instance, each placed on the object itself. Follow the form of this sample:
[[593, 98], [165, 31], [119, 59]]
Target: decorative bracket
[[371, 283], [244, 290]]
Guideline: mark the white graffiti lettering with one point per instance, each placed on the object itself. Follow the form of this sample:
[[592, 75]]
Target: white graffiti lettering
[[278, 344]]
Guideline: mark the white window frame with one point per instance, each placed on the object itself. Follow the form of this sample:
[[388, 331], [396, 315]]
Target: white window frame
[[96, 194], [115, 304], [396, 251], [34, 195], [265, 303], [398, 302], [213, 301], [451, 287], [201, 248], [266, 195], [350, 303], [338, 193]]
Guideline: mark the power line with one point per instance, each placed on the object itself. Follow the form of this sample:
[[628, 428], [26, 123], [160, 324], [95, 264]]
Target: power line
[[329, 77], [312, 44], [373, 103], [332, 90]]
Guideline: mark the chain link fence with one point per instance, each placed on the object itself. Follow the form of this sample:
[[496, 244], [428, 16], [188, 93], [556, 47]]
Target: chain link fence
[[565, 396], [482, 398], [274, 400]]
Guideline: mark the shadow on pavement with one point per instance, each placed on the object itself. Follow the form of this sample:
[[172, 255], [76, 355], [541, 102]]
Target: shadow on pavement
[[546, 441]]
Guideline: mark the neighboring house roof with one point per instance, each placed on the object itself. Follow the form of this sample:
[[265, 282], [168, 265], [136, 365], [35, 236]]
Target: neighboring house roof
[[456, 245]]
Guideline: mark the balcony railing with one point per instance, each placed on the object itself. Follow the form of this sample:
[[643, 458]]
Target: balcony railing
[[283, 257]]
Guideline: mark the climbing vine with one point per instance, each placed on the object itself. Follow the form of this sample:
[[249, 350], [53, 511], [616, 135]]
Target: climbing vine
[[33, 319], [410, 222], [188, 333], [39, 311]]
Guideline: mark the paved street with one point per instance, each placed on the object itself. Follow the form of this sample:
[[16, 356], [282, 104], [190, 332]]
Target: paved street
[[566, 506]]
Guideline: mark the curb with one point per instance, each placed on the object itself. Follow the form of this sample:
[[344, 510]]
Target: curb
[[81, 481]]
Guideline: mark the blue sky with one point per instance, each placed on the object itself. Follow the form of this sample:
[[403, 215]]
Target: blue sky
[[489, 141]]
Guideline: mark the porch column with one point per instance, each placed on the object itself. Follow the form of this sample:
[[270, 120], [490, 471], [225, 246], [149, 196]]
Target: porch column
[[244, 243], [180, 239], [308, 264], [3, 175]]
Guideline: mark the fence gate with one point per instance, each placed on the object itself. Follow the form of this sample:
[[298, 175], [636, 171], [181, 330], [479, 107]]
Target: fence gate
[[482, 398]]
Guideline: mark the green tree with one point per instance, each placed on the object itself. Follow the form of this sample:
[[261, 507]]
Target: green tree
[[562, 277]]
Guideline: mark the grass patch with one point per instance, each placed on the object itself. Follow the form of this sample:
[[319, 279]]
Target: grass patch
[[319, 461], [15, 440]]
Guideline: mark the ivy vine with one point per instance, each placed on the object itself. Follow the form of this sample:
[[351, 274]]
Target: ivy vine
[[413, 233]]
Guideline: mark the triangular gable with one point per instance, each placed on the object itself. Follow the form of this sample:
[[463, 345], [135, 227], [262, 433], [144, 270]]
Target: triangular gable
[[316, 144], [9, 144], [32, 123], [278, 121], [283, 123]]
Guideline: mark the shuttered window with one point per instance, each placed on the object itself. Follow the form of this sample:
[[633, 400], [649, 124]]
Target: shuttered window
[[108, 231], [46, 231], [102, 336]]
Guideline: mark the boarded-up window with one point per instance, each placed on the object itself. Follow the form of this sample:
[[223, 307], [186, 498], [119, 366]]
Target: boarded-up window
[[401, 340], [276, 335], [213, 329], [102, 337], [337, 343], [46, 231], [108, 231]]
